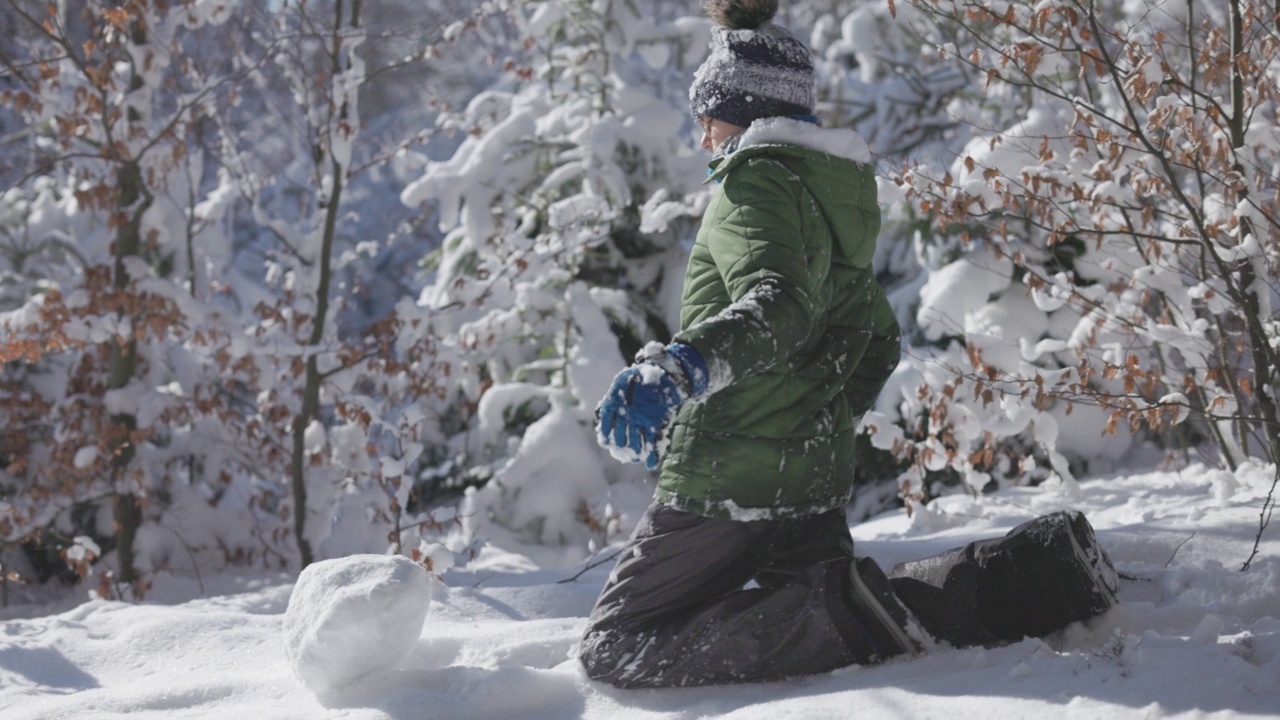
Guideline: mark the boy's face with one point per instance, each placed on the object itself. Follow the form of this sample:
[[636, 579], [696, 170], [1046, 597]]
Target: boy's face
[[715, 132]]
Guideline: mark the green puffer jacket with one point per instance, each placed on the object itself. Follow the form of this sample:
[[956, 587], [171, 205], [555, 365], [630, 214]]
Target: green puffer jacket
[[781, 302]]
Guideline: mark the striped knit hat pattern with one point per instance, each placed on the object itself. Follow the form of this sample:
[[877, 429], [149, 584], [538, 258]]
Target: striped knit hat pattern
[[755, 70]]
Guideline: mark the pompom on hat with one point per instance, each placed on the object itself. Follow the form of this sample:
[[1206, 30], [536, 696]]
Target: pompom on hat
[[755, 70]]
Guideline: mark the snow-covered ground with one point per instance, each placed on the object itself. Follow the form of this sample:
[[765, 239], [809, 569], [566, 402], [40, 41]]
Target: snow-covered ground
[[1193, 637]]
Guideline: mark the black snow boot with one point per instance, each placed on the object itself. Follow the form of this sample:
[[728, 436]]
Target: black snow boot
[[1040, 577]]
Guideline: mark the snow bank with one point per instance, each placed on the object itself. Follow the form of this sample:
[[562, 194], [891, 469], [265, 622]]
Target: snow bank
[[353, 616]]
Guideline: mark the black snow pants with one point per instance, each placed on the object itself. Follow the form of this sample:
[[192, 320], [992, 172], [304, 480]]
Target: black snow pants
[[675, 610]]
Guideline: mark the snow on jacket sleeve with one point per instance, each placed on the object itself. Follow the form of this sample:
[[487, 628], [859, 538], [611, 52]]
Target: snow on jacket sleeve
[[756, 241]]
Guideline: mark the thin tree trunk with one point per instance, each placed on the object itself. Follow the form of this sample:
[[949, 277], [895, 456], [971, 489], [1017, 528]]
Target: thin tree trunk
[[1259, 342], [132, 203], [312, 379]]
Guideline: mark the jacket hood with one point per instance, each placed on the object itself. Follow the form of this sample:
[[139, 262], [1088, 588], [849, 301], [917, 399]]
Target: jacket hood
[[835, 165]]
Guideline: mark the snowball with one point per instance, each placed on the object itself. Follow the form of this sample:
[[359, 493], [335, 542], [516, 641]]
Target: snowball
[[352, 616]]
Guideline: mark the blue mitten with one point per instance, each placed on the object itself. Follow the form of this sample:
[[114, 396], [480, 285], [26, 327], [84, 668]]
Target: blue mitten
[[644, 398]]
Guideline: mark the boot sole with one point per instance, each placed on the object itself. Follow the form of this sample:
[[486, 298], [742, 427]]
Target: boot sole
[[868, 598], [1108, 583]]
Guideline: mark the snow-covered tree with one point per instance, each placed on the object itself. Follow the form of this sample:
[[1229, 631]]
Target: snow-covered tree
[[565, 210], [190, 291], [101, 318], [344, 380]]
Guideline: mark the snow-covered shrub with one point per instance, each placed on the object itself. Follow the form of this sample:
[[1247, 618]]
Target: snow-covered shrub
[[1111, 212]]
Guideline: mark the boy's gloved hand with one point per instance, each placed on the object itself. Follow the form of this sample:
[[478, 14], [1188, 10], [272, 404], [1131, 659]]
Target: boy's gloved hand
[[644, 398]]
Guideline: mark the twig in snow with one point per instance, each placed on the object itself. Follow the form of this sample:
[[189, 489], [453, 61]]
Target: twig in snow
[[1264, 519], [1168, 562], [1175, 550]]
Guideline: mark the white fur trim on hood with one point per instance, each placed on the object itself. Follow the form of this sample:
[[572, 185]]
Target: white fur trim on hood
[[840, 142]]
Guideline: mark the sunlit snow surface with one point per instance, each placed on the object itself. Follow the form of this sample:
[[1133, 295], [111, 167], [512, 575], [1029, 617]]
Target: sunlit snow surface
[[1193, 637]]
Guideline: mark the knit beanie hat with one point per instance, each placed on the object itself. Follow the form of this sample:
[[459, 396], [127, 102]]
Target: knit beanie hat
[[756, 69]]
